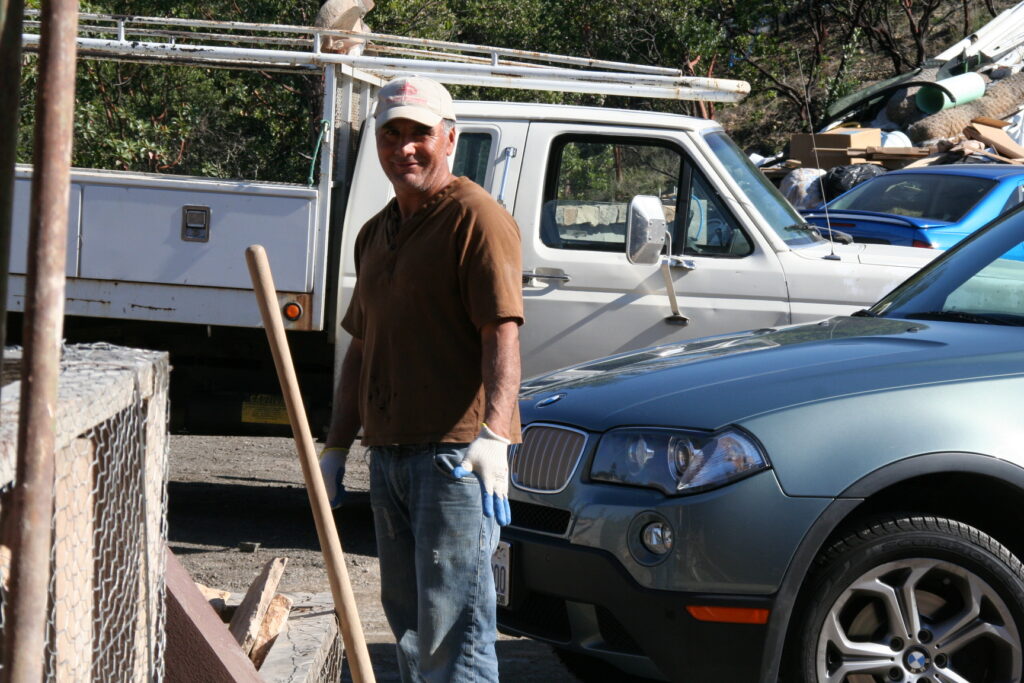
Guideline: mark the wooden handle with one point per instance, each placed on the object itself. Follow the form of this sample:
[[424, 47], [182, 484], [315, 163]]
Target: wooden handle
[[337, 572]]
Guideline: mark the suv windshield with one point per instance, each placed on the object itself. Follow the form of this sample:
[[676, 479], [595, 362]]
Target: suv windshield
[[779, 213], [918, 195], [981, 280]]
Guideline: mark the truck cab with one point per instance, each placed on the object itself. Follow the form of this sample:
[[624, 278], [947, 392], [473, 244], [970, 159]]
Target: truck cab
[[738, 255]]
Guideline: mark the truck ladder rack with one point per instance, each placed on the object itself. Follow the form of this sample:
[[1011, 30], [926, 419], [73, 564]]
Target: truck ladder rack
[[296, 48]]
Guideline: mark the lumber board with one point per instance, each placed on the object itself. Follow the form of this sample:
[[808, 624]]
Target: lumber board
[[246, 621], [273, 623], [199, 647]]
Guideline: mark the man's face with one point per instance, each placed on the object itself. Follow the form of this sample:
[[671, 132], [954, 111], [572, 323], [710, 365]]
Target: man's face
[[415, 156]]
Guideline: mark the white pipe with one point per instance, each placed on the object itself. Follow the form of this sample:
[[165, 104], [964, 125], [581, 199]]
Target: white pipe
[[995, 39], [505, 76], [377, 37]]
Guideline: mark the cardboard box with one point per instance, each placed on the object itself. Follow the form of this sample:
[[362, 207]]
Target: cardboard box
[[832, 146]]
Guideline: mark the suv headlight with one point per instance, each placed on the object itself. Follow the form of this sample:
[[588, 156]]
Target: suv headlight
[[676, 462]]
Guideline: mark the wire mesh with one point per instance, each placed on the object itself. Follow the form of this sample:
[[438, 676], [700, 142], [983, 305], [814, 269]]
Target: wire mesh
[[106, 608]]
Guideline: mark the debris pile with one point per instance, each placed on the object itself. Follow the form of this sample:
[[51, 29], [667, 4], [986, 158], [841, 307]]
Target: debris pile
[[262, 614], [964, 106]]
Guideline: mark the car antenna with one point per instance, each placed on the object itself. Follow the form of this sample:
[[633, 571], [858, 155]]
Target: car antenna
[[831, 256]]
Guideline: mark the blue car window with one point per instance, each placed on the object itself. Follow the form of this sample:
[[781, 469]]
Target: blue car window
[[931, 196], [1016, 197]]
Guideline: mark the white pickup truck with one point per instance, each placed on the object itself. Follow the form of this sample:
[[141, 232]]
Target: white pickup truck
[[157, 260]]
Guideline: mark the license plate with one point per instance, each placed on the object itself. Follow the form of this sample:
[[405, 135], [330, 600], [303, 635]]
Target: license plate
[[501, 567]]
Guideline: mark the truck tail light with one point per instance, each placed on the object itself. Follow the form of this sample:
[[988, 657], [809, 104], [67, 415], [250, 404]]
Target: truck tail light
[[292, 311]]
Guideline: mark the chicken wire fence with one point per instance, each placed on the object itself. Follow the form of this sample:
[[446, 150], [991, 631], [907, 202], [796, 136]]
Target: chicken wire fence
[[106, 608]]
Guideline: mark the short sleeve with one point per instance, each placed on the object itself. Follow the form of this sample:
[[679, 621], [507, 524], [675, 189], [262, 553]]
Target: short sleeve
[[491, 272]]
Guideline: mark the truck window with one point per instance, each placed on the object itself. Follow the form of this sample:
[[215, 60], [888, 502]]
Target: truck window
[[590, 182], [710, 229], [779, 213], [473, 157]]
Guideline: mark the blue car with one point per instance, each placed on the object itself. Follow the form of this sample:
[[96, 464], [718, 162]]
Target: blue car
[[933, 207], [836, 502]]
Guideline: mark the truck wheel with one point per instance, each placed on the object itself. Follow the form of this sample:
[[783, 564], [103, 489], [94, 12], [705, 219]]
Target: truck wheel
[[922, 599], [589, 669]]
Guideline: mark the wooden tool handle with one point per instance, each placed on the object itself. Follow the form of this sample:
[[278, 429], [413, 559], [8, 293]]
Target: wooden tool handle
[[337, 573]]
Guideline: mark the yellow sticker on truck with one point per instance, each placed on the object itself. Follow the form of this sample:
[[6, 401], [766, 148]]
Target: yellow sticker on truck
[[264, 409]]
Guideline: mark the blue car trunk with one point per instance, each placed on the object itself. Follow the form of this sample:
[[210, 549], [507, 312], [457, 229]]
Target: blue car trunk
[[876, 228]]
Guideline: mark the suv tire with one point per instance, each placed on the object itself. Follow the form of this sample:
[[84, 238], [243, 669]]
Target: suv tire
[[912, 598]]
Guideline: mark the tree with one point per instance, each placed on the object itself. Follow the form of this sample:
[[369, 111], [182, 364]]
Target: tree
[[798, 55], [189, 120]]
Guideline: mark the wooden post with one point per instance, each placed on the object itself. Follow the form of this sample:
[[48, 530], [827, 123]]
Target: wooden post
[[32, 505], [73, 568]]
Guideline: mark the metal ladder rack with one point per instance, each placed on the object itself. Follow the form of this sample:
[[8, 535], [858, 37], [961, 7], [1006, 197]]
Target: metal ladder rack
[[281, 47]]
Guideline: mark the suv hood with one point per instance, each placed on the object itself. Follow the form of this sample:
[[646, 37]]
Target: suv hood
[[709, 383]]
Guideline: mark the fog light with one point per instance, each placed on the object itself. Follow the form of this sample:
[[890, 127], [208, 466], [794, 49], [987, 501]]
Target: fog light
[[657, 537]]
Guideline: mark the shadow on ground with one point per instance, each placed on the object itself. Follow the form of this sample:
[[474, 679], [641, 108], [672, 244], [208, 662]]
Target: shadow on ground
[[520, 660], [227, 512]]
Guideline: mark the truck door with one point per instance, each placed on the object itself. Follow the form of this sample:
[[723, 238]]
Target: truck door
[[582, 298]]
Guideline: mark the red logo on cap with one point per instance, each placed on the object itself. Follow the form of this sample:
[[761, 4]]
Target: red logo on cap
[[407, 94], [407, 89]]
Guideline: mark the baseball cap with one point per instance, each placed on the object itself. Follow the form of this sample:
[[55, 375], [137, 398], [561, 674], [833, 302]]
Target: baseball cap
[[419, 99]]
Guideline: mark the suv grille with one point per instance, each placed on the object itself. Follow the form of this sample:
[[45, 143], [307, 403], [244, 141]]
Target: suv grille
[[546, 459]]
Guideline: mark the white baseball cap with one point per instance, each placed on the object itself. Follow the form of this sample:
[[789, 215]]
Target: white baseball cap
[[419, 99]]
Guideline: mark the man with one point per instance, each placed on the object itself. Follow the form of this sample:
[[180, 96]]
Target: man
[[432, 375]]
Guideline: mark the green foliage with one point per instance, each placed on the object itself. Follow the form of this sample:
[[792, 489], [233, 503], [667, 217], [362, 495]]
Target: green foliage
[[799, 56], [598, 171], [188, 120]]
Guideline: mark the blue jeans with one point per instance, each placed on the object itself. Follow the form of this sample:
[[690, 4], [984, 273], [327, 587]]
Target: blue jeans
[[435, 548]]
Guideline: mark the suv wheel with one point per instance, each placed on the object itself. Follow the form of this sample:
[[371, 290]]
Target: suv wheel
[[921, 599]]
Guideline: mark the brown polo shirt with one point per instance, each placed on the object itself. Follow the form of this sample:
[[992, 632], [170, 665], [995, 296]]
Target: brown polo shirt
[[424, 289]]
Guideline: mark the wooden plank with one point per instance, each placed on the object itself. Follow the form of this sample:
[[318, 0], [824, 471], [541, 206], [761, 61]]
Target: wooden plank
[[199, 647], [246, 621], [218, 600], [73, 567], [273, 624], [989, 121], [154, 460]]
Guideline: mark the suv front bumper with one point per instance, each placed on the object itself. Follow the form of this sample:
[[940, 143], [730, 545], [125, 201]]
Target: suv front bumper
[[582, 599]]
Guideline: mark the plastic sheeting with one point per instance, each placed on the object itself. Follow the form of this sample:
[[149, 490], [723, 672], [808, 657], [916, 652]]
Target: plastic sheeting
[[802, 188]]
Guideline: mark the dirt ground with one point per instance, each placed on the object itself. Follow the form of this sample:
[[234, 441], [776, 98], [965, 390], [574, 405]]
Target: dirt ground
[[228, 490]]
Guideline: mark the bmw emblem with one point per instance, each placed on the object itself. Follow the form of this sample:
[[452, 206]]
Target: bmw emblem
[[917, 661], [549, 400]]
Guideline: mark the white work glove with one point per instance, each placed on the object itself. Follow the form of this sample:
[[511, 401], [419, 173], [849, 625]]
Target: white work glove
[[487, 458], [332, 468]]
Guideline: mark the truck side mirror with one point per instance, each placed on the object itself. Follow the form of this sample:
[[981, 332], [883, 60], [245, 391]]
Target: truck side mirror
[[645, 229]]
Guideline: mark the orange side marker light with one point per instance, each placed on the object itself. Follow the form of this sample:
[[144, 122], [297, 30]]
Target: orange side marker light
[[729, 615]]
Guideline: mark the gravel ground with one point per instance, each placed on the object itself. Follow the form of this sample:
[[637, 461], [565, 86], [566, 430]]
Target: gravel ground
[[229, 490]]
